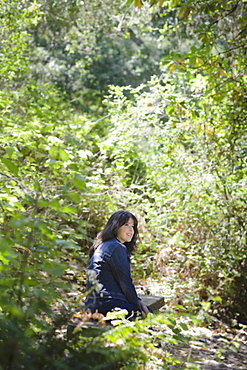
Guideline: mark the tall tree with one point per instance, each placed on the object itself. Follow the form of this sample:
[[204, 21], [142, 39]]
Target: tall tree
[[83, 47]]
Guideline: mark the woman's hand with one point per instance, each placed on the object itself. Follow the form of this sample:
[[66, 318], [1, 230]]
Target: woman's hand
[[144, 308]]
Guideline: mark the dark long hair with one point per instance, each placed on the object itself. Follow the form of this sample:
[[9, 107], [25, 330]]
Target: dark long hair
[[110, 230]]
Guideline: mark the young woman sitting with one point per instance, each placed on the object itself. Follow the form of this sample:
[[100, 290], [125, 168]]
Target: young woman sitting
[[110, 263]]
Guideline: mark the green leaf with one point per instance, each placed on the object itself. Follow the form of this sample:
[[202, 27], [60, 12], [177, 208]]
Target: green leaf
[[169, 109], [53, 151], [5, 242], [68, 209], [20, 220], [10, 165], [63, 155], [183, 326], [216, 299], [179, 306], [79, 181], [67, 244], [74, 196], [10, 151], [4, 260], [58, 270]]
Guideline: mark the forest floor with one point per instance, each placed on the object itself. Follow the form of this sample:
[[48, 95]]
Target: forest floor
[[215, 347], [211, 350]]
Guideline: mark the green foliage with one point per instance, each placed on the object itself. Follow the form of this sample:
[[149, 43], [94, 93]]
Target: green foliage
[[16, 17], [82, 48], [196, 174], [172, 150], [194, 193], [127, 344]]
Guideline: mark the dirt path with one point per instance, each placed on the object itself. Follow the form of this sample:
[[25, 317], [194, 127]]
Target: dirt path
[[213, 351]]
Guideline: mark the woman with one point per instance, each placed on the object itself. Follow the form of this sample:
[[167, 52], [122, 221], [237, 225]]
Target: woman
[[111, 265]]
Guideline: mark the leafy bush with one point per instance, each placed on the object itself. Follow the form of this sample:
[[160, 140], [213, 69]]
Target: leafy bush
[[194, 193]]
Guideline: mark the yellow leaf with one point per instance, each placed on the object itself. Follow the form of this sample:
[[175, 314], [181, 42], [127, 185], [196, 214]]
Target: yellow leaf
[[199, 61], [182, 64], [221, 72], [172, 68], [185, 13], [77, 315], [138, 3]]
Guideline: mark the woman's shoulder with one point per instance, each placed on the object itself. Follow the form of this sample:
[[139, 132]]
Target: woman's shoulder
[[111, 245]]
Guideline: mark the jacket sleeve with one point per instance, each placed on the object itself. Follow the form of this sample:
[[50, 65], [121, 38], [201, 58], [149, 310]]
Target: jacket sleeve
[[121, 271]]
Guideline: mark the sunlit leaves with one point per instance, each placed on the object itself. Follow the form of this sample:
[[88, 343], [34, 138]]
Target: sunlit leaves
[[189, 159], [17, 17], [79, 181], [64, 155], [10, 165], [173, 150], [74, 196]]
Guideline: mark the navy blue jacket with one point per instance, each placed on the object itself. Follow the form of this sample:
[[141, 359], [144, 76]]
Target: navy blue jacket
[[111, 264]]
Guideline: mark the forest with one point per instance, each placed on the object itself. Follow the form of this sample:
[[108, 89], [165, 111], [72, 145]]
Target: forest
[[135, 105]]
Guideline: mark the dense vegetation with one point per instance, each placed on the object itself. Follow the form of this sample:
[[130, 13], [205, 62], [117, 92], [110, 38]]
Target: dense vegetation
[[104, 105]]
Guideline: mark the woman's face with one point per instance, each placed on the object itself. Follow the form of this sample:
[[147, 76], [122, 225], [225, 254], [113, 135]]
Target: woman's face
[[125, 232]]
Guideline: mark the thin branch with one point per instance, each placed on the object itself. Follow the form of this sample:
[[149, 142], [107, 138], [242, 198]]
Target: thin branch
[[225, 15]]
